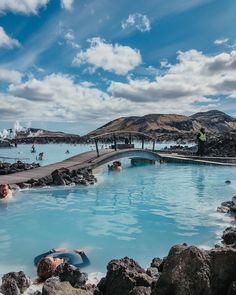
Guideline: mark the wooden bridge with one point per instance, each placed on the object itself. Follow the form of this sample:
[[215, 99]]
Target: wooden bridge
[[97, 158]]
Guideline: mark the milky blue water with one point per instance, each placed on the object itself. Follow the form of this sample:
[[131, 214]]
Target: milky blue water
[[140, 212], [56, 152]]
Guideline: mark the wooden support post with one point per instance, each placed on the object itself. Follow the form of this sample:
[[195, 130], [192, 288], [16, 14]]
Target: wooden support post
[[142, 142], [115, 142], [96, 143], [153, 147], [130, 138]]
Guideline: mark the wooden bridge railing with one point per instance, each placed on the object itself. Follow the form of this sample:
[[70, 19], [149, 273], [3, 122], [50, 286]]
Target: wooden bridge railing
[[130, 133]]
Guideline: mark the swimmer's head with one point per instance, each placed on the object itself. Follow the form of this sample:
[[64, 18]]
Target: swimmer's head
[[47, 266], [4, 190]]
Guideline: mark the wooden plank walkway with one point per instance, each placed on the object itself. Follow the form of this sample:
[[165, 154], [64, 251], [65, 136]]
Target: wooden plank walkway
[[76, 162], [90, 160]]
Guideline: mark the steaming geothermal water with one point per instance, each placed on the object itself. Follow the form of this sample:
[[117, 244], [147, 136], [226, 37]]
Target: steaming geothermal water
[[140, 212]]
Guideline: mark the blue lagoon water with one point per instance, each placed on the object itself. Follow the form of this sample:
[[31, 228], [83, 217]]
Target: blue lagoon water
[[140, 212], [56, 152]]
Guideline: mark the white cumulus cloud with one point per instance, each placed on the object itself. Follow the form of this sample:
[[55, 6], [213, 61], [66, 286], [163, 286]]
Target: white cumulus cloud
[[22, 6], [10, 76], [113, 58], [58, 97], [67, 4], [138, 21], [6, 41], [194, 78]]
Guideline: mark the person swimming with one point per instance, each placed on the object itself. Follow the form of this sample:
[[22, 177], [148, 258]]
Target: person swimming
[[40, 156], [33, 150], [116, 166], [47, 263], [5, 192]]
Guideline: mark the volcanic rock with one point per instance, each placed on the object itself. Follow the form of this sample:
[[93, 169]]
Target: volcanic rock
[[15, 283], [53, 286], [70, 273], [123, 275], [189, 270], [229, 235]]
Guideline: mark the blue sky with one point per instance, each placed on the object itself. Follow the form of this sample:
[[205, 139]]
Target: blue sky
[[75, 65]]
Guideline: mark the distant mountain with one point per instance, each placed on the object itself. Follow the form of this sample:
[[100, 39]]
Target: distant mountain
[[156, 124], [35, 135], [216, 121], [39, 133]]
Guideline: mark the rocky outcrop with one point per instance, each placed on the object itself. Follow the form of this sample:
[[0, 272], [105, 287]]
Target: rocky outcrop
[[228, 206], [221, 147], [8, 168], [123, 275], [189, 270], [71, 274], [229, 236], [63, 176], [15, 283], [54, 286]]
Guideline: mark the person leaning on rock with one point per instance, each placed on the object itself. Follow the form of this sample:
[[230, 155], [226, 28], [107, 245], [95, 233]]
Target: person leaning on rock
[[47, 263], [5, 192], [201, 137]]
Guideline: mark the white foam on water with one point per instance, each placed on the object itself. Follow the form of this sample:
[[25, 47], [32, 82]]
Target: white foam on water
[[95, 277]]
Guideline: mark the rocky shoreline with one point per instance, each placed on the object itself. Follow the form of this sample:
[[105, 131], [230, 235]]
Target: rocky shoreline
[[62, 176], [187, 270], [8, 168]]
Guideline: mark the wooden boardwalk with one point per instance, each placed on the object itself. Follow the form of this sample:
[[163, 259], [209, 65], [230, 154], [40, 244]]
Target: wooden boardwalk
[[76, 162], [90, 160]]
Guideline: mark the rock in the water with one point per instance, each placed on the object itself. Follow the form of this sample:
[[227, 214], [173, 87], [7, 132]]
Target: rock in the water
[[189, 270], [233, 206], [53, 286], [14, 283], [68, 272], [227, 204], [227, 181], [57, 178], [122, 276], [223, 209], [229, 235]]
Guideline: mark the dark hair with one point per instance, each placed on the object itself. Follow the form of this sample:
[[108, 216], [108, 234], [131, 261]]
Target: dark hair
[[45, 268]]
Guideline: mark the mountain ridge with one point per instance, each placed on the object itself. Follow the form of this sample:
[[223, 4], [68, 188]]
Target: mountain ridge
[[213, 121]]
